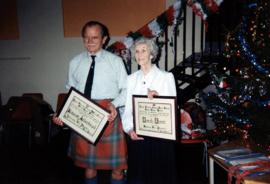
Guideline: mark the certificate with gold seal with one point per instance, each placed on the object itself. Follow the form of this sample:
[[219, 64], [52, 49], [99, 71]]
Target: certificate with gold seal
[[155, 117], [83, 115]]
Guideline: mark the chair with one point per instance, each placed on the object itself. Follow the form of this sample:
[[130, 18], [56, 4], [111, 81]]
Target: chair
[[192, 149], [1, 118], [36, 96], [197, 148], [1, 105], [17, 112], [60, 101], [0, 99], [27, 110], [52, 128], [43, 112]]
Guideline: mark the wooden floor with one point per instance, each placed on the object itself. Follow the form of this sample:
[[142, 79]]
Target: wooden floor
[[49, 164]]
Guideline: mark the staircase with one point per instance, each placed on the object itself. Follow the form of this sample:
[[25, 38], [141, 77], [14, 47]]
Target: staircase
[[189, 50], [190, 83]]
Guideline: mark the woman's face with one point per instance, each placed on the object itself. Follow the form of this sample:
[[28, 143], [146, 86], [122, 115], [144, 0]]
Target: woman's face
[[142, 54]]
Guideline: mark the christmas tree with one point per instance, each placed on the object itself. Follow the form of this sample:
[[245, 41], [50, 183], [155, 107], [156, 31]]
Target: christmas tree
[[240, 105]]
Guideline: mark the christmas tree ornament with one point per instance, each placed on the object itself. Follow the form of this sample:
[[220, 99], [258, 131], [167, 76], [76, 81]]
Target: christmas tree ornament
[[223, 83], [198, 100], [209, 113]]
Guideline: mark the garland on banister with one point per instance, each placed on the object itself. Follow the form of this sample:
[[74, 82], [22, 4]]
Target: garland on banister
[[203, 8], [158, 25], [150, 30]]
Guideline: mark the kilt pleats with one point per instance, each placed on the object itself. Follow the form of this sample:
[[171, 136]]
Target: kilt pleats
[[110, 152]]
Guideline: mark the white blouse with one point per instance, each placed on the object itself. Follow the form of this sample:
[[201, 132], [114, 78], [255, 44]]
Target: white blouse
[[138, 83]]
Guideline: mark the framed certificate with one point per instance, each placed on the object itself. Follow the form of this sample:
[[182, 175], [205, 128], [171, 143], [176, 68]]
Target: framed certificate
[[155, 117], [83, 116]]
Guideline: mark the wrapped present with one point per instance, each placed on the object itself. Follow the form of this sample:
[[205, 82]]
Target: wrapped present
[[193, 121], [186, 124]]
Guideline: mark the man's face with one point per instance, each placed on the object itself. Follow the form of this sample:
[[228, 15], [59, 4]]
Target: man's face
[[93, 40]]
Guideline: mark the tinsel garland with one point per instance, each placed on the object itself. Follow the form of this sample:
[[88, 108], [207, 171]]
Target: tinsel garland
[[251, 57], [170, 17], [215, 103], [250, 87], [203, 8], [153, 29], [246, 90], [244, 45], [240, 106]]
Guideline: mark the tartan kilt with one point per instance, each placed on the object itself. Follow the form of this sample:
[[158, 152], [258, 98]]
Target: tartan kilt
[[109, 153]]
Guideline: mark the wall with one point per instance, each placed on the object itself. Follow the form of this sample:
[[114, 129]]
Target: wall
[[38, 61]]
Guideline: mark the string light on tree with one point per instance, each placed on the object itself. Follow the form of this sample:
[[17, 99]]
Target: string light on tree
[[240, 106]]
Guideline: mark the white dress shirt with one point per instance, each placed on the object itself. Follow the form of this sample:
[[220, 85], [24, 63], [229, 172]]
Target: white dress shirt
[[138, 84], [109, 76]]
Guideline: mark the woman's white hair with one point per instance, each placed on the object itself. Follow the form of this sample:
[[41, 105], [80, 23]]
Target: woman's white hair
[[151, 44]]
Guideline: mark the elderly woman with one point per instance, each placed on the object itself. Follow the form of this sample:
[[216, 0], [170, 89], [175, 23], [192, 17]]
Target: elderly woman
[[151, 160]]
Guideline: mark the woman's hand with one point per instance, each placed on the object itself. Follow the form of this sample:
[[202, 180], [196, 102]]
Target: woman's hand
[[57, 120], [113, 111], [151, 93], [134, 136]]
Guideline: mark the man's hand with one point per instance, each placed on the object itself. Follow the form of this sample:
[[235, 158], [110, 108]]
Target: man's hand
[[57, 120], [113, 111], [134, 136], [151, 93]]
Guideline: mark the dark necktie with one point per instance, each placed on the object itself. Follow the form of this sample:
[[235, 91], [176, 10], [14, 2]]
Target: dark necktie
[[89, 81]]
